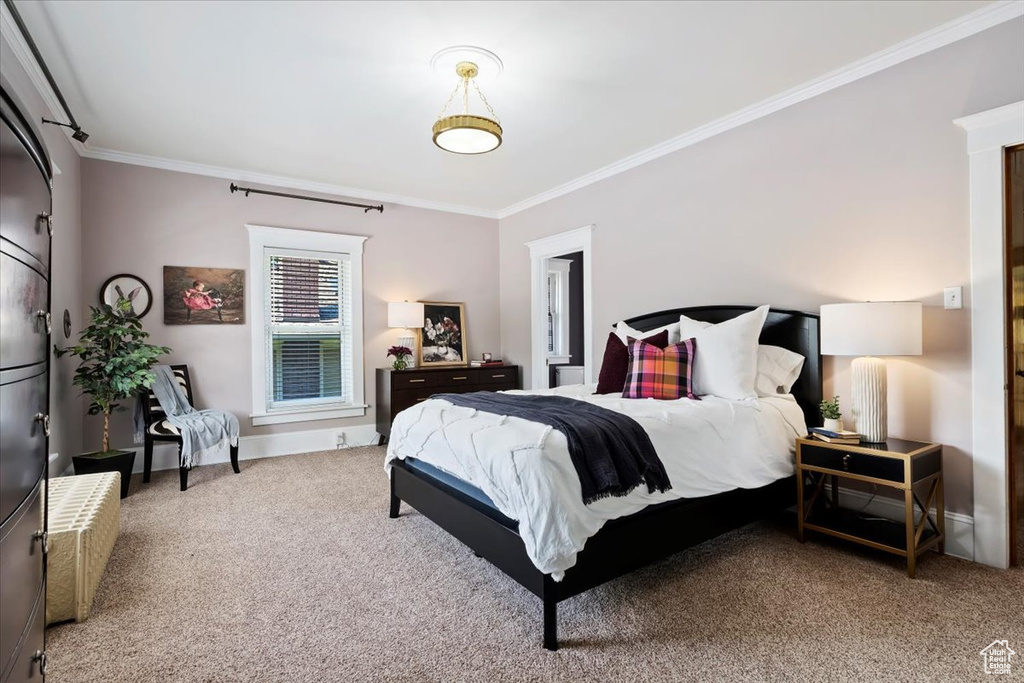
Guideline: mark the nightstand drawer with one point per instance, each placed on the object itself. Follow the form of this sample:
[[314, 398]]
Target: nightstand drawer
[[874, 466], [415, 380]]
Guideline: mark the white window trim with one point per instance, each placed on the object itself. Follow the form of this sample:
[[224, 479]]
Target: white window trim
[[561, 356], [261, 237], [541, 250], [988, 133]]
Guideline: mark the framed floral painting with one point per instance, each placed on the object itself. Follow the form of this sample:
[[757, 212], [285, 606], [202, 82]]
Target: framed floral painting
[[204, 296], [442, 339]]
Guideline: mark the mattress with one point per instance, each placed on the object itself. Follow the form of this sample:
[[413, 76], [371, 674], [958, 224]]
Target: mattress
[[523, 468]]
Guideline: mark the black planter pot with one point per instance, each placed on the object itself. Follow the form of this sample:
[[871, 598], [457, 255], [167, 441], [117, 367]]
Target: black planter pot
[[111, 461]]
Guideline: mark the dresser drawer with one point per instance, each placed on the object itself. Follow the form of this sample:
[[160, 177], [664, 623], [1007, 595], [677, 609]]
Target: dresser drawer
[[877, 467], [498, 376], [21, 572], [407, 398], [25, 666], [22, 434], [457, 380], [413, 380], [23, 302], [24, 199]]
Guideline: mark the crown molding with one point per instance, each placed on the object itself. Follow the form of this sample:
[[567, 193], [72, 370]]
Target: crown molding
[[240, 176], [958, 29], [11, 34]]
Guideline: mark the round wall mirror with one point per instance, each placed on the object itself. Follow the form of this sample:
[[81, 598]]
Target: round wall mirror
[[127, 287]]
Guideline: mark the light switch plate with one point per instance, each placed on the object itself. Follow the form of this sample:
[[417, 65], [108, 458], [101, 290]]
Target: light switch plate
[[953, 298]]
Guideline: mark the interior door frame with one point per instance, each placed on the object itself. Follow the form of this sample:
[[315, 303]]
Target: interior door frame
[[1011, 454], [988, 134], [541, 250]]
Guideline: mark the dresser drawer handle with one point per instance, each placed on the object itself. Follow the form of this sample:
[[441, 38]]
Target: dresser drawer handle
[[45, 315], [846, 462], [40, 657], [44, 538], [457, 378], [497, 376], [45, 419], [416, 381], [420, 400], [48, 219]]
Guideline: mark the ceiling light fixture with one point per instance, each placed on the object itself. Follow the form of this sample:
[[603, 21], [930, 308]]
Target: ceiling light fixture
[[467, 133]]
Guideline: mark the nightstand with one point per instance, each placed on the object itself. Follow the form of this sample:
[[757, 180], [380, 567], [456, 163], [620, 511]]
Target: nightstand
[[907, 466]]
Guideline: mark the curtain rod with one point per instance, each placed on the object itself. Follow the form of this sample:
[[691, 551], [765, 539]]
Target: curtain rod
[[79, 134], [365, 207]]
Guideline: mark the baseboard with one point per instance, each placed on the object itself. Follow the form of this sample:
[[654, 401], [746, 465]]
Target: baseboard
[[959, 527], [165, 455]]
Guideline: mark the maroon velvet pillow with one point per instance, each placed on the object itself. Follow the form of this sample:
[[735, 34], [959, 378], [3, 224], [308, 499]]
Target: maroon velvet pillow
[[615, 366]]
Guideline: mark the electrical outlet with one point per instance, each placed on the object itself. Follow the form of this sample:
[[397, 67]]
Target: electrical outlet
[[341, 440], [953, 298]]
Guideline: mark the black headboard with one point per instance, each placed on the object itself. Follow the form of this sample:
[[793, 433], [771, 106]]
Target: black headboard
[[791, 330]]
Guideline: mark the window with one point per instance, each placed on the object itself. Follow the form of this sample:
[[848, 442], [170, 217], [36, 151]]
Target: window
[[558, 311], [306, 308]]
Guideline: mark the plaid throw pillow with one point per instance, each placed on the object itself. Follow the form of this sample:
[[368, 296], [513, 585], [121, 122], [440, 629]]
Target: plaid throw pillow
[[665, 374]]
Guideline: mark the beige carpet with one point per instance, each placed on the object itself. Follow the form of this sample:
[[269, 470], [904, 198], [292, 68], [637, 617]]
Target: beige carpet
[[292, 571]]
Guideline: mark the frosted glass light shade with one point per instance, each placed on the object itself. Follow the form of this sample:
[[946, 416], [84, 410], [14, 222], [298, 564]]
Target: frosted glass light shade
[[880, 328], [406, 314]]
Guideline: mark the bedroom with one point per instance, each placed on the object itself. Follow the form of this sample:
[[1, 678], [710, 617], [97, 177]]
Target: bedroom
[[800, 155]]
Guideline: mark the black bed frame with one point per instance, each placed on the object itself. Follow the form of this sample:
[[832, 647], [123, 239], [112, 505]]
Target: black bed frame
[[628, 543]]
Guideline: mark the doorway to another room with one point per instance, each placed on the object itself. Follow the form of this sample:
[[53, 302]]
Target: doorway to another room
[[565, 354], [1015, 357]]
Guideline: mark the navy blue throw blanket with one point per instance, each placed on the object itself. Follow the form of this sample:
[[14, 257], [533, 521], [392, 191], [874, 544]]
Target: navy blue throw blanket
[[611, 452]]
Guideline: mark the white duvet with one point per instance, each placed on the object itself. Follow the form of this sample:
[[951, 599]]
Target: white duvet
[[707, 447]]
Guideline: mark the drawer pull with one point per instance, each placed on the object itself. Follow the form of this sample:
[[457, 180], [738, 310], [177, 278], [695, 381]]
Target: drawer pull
[[415, 381], [48, 219], [497, 376], [40, 657], [45, 315], [44, 538], [846, 462], [458, 378], [420, 400], [45, 419]]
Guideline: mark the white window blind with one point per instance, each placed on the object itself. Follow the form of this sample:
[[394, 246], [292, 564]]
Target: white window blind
[[308, 328]]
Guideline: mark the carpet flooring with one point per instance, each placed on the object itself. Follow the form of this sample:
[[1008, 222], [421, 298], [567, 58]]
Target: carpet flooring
[[292, 571]]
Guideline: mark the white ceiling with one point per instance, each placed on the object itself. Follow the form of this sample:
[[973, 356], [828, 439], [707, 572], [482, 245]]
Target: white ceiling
[[343, 94]]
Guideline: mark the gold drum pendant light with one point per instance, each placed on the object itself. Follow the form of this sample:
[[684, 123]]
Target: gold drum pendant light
[[467, 133]]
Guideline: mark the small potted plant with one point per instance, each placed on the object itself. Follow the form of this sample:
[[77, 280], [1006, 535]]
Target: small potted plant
[[401, 354], [830, 413], [115, 366]]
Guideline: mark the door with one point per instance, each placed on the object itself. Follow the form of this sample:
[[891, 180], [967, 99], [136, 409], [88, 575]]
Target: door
[[1015, 357]]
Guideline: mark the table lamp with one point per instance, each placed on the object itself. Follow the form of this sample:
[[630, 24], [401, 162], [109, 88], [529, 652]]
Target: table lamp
[[867, 330], [406, 315]]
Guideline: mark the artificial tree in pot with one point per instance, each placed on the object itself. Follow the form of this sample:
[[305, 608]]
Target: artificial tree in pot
[[115, 365]]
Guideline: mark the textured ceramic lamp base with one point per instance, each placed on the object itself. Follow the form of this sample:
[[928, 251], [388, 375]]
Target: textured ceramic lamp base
[[408, 342], [868, 388]]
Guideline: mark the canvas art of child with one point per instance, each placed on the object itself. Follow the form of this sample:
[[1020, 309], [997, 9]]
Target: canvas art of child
[[208, 296]]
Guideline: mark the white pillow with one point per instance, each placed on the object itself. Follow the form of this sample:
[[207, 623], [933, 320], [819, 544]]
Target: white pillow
[[725, 363], [777, 370], [622, 330]]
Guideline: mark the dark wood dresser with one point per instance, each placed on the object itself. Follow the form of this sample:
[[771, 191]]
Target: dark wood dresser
[[400, 389], [24, 391]]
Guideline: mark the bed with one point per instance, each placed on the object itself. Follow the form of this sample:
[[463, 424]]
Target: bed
[[625, 543]]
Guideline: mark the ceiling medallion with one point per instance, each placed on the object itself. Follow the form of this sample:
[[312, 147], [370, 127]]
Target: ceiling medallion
[[465, 133]]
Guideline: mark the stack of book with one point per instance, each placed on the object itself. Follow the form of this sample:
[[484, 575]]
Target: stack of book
[[485, 363], [828, 436]]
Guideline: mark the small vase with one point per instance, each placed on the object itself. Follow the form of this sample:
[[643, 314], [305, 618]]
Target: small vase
[[835, 425], [399, 364]]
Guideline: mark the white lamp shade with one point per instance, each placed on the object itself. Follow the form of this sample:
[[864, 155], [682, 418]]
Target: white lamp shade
[[407, 314], [882, 328]]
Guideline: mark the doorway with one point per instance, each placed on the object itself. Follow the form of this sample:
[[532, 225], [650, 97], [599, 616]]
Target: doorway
[[1015, 331], [561, 310]]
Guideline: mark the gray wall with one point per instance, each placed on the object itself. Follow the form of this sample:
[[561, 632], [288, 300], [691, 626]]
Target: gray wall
[[137, 220], [66, 407], [858, 194]]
